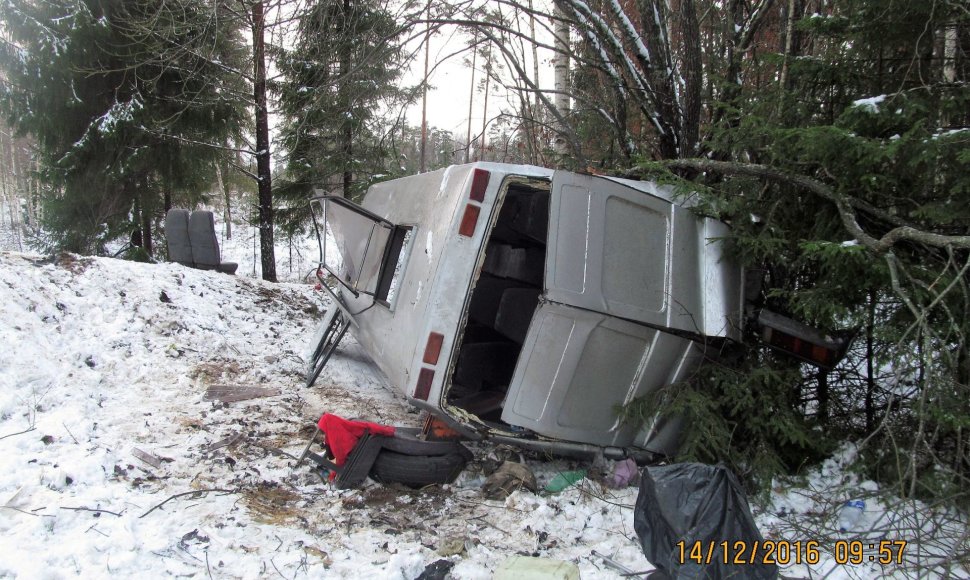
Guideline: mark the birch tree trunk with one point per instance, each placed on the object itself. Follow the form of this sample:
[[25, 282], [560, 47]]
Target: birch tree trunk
[[471, 100], [561, 71], [5, 193], [950, 54], [424, 93], [535, 149]]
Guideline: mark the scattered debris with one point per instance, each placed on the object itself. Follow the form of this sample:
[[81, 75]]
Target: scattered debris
[[564, 479], [164, 298], [518, 567], [610, 562], [193, 537], [625, 473], [323, 556], [231, 394], [194, 493], [16, 501], [270, 503], [437, 570], [224, 442], [27, 430], [149, 458], [509, 478], [96, 512], [451, 547], [499, 454]]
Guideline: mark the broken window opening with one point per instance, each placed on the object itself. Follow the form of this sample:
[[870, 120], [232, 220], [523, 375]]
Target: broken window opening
[[395, 263], [502, 304]]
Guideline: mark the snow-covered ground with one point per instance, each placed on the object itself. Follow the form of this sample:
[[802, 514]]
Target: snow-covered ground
[[103, 360]]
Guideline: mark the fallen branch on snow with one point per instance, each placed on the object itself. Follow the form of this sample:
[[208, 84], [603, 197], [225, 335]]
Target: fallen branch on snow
[[87, 509], [18, 433], [25, 512], [185, 493]]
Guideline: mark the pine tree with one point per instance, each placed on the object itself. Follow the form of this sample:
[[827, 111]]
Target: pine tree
[[337, 78], [124, 99]]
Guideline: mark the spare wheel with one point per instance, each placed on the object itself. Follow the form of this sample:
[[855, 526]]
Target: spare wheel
[[419, 470]]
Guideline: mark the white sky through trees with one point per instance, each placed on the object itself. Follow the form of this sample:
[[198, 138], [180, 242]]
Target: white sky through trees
[[450, 78]]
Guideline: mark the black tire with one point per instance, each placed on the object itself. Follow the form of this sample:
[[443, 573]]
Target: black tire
[[406, 442], [329, 339], [418, 470]]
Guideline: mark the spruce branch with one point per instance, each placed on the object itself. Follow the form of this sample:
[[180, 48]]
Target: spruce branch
[[846, 205]]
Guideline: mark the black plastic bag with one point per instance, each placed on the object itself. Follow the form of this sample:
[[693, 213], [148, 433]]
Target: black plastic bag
[[690, 506]]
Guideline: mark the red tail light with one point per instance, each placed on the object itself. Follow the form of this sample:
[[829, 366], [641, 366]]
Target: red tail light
[[433, 348], [803, 349], [469, 220], [434, 429], [479, 185], [801, 341], [423, 388]]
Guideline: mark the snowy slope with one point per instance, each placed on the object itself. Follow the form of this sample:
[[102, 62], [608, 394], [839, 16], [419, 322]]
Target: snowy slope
[[104, 359]]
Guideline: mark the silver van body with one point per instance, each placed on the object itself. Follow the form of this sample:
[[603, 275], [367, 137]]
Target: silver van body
[[527, 305]]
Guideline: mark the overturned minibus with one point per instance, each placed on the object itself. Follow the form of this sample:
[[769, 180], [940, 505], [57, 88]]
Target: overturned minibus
[[527, 305]]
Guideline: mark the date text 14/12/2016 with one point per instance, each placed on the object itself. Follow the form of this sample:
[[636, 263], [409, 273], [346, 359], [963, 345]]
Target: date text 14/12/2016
[[783, 552]]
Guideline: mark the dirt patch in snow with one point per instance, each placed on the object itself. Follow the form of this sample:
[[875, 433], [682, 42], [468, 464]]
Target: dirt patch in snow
[[73, 263], [219, 371], [271, 503]]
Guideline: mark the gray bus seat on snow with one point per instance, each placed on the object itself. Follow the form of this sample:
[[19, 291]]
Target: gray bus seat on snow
[[192, 240], [205, 246], [177, 235]]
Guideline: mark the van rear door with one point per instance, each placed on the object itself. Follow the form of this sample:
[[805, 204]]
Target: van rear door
[[609, 248], [356, 246], [592, 345]]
